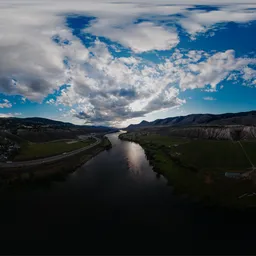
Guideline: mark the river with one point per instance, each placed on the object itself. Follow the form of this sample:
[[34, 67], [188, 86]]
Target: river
[[115, 203]]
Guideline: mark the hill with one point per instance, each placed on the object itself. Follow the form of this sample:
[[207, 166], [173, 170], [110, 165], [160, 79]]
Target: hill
[[242, 118], [37, 129], [39, 121]]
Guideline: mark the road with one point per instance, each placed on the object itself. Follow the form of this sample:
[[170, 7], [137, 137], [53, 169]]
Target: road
[[49, 159]]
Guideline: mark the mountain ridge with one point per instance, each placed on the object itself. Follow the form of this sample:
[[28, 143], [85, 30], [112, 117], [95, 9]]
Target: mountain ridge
[[241, 118], [45, 121]]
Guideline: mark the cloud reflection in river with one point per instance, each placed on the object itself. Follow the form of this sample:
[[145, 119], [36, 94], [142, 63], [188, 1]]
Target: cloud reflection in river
[[134, 156]]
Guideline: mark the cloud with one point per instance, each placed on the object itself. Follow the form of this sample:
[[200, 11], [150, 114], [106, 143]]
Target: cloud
[[140, 37], [166, 99], [23, 100], [212, 71], [5, 104], [110, 89], [5, 115], [198, 21], [50, 102], [31, 62], [249, 74], [39, 53], [209, 98], [106, 88]]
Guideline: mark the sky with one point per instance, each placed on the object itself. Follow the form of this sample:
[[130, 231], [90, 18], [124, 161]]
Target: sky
[[107, 62]]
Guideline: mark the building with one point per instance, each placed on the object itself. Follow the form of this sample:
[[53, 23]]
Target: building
[[234, 175]]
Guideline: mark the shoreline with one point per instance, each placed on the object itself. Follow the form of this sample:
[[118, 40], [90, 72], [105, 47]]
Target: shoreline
[[188, 181], [47, 171]]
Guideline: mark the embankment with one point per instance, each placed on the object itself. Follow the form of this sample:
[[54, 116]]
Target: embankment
[[209, 187], [215, 133], [49, 170]]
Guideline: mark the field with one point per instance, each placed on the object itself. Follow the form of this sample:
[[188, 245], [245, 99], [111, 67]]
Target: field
[[40, 150], [199, 166], [217, 155], [13, 137], [49, 171], [203, 155]]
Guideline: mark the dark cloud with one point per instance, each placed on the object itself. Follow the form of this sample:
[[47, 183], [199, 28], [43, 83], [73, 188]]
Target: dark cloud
[[117, 115], [128, 93]]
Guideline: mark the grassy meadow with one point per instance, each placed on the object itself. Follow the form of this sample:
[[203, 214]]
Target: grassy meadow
[[197, 167], [217, 155], [49, 171], [31, 151]]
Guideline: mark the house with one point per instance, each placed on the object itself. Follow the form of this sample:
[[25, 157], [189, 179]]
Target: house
[[234, 175]]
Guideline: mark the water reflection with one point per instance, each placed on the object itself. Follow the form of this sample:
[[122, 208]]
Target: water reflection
[[112, 196], [135, 155]]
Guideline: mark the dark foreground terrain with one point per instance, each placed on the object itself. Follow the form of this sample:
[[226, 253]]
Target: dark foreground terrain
[[116, 203]]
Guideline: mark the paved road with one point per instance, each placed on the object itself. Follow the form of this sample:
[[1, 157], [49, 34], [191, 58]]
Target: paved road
[[49, 159]]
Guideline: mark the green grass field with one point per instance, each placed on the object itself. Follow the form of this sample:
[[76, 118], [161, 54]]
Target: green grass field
[[42, 150], [202, 154], [29, 175], [217, 155], [210, 159]]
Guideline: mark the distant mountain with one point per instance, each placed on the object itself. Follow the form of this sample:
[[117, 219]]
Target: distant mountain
[[141, 124], [31, 121], [37, 129], [242, 118]]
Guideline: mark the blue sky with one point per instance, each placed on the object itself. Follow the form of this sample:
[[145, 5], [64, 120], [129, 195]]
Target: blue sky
[[121, 62]]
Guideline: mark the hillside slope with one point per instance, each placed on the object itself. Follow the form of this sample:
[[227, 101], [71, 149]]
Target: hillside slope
[[215, 133], [242, 118], [37, 129]]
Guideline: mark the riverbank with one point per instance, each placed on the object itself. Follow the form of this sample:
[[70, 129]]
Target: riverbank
[[33, 151], [44, 171], [209, 186]]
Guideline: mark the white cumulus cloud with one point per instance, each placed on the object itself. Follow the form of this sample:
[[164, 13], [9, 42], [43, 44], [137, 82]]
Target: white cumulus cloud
[[5, 104], [107, 88], [140, 37], [212, 71], [198, 21], [5, 115], [209, 98]]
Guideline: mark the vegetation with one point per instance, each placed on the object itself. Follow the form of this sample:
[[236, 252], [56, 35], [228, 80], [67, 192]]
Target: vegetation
[[37, 129], [197, 168], [41, 150], [152, 138], [13, 137], [49, 134], [50, 171], [220, 156]]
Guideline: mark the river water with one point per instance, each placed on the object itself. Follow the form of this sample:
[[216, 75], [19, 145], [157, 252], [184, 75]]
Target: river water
[[115, 203]]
